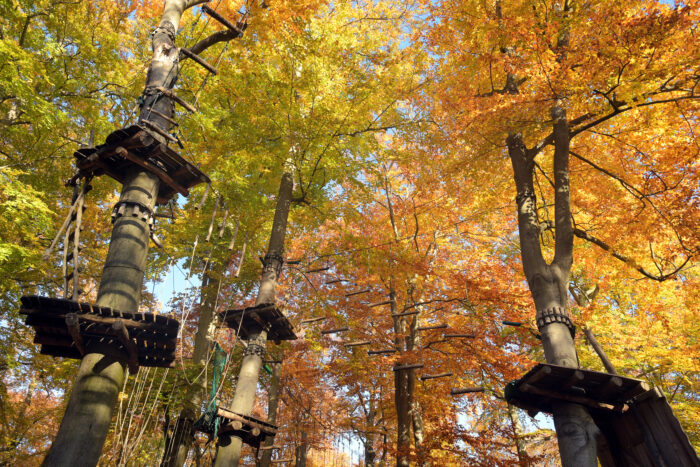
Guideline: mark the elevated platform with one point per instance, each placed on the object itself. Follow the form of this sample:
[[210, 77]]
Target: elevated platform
[[69, 329], [256, 318], [136, 147], [251, 430], [636, 420]]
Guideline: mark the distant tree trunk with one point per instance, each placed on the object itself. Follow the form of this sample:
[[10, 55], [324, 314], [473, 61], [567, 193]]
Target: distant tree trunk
[[273, 402], [229, 448], [576, 431], [518, 433], [302, 450], [403, 388]]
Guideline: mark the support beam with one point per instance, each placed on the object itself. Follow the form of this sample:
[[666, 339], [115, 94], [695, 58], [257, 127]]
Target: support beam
[[335, 331], [458, 391], [229, 25], [189, 54]]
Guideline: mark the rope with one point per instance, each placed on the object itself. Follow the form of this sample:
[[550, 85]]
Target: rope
[[209, 422]]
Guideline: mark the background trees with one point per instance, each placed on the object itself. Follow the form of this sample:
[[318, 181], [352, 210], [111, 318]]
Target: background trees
[[390, 110]]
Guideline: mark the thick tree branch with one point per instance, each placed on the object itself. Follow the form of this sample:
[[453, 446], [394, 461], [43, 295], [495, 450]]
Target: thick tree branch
[[564, 238], [522, 160], [626, 259]]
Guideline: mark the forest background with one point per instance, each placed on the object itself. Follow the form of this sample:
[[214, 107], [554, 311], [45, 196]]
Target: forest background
[[395, 115]]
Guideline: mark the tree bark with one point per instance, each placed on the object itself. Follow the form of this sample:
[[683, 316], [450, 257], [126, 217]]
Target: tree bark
[[85, 425], [302, 450], [228, 450], [273, 402], [402, 390], [548, 283]]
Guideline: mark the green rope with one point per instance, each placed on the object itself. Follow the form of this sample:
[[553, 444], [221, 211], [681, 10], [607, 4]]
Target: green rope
[[209, 422]]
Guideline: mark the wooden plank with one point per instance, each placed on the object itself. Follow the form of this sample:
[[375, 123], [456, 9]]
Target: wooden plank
[[311, 271], [381, 352], [435, 376], [162, 115], [358, 292], [174, 97], [189, 54], [387, 302], [459, 391], [357, 343], [528, 388], [153, 127], [335, 331], [229, 25]]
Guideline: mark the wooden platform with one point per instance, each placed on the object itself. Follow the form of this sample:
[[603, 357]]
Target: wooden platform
[[636, 420], [256, 318], [151, 339], [136, 147], [252, 431]]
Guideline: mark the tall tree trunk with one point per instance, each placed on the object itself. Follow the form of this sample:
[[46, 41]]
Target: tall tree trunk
[[228, 450], [302, 450], [272, 404], [178, 444], [402, 390], [85, 425], [576, 431]]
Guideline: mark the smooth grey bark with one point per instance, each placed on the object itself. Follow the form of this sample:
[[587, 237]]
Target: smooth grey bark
[[228, 450], [548, 283], [85, 424], [273, 403]]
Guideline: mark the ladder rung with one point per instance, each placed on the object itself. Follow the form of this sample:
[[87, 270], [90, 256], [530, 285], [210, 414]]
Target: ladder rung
[[206, 9], [173, 96], [160, 131], [200, 60], [163, 116]]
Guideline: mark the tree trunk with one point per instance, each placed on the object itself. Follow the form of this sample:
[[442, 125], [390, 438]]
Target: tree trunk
[[101, 374], [302, 450], [402, 391], [228, 451], [273, 402], [178, 444], [518, 433], [576, 431]]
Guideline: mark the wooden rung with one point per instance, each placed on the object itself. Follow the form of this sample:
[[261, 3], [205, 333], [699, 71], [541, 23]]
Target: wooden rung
[[381, 352], [458, 391], [174, 97], [357, 343], [405, 313], [512, 323], [407, 367], [316, 270], [199, 60], [334, 331], [358, 292], [335, 281], [73, 325], [438, 375], [428, 328], [152, 126], [381, 303], [457, 336], [206, 9], [163, 116], [313, 320], [270, 448], [281, 461], [123, 335]]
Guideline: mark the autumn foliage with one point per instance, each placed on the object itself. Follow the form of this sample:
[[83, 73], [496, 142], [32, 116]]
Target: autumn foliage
[[395, 116]]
